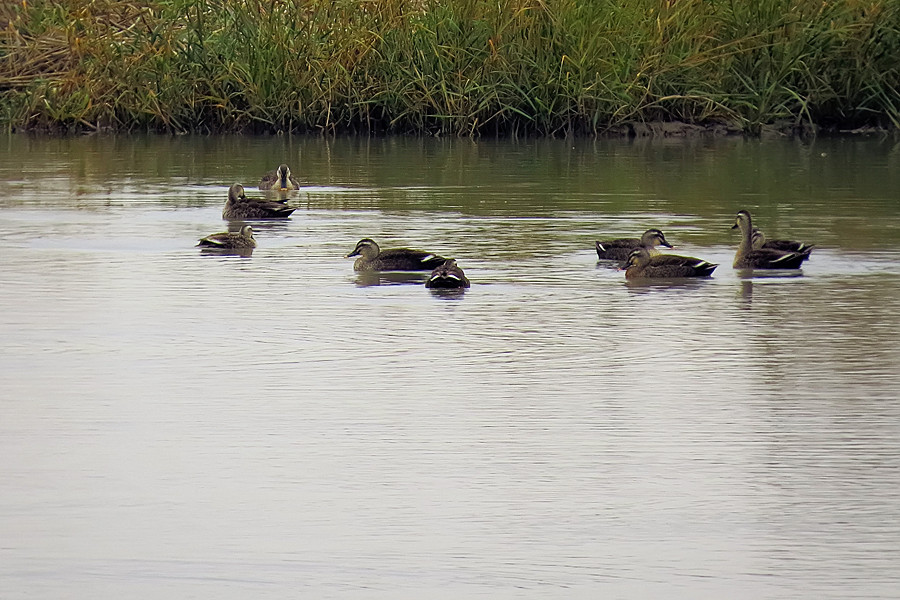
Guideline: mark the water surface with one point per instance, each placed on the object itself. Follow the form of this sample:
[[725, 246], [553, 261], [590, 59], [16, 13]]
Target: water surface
[[191, 425]]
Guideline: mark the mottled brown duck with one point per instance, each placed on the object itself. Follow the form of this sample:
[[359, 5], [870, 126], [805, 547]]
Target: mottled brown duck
[[619, 249], [373, 258], [239, 207], [640, 265], [230, 240], [447, 276], [759, 240], [763, 258], [279, 179]]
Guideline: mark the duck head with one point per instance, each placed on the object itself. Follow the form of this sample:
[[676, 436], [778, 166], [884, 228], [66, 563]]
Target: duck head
[[284, 176], [366, 247], [654, 237], [236, 192], [757, 239], [637, 258], [742, 221]]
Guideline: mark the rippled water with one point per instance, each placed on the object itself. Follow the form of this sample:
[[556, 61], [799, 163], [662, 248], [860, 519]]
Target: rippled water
[[188, 425]]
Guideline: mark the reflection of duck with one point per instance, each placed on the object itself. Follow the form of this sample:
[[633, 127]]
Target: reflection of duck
[[759, 240], [373, 258], [239, 207], [228, 239], [747, 290], [279, 179], [641, 265], [373, 278], [448, 276], [762, 258], [619, 249]]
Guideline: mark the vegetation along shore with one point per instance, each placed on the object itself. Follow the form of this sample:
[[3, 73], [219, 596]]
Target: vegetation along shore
[[453, 67]]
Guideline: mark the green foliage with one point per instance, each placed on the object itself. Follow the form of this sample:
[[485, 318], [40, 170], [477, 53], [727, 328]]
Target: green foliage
[[459, 67]]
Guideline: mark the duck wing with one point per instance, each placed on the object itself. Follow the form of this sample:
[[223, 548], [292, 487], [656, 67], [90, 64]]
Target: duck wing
[[788, 246], [406, 258], [681, 266], [617, 249], [767, 258], [263, 209], [223, 240]]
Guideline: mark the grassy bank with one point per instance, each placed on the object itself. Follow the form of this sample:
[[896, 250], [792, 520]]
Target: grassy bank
[[447, 66]]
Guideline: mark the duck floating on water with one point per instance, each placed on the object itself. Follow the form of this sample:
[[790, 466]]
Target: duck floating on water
[[640, 264], [759, 240], [230, 240], [373, 258], [239, 207], [448, 276], [748, 257], [279, 179], [620, 248]]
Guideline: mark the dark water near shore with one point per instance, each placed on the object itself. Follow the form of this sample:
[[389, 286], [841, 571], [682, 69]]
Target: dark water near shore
[[177, 424]]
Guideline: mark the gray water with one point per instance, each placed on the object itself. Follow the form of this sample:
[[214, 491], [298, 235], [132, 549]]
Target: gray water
[[177, 424]]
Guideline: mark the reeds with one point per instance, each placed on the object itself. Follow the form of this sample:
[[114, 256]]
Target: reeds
[[461, 67]]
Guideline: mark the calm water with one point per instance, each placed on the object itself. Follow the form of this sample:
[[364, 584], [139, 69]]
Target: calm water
[[183, 425]]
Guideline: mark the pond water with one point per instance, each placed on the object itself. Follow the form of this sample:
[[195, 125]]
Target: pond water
[[178, 424]]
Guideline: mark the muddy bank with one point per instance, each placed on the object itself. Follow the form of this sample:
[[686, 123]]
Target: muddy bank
[[680, 129], [628, 130]]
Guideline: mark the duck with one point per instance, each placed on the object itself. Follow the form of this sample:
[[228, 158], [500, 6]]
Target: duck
[[761, 258], [279, 179], [447, 276], [229, 239], [640, 264], [759, 240], [373, 258], [619, 249], [239, 207]]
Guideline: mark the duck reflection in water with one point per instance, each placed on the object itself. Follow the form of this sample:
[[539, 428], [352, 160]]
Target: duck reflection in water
[[747, 292], [372, 278]]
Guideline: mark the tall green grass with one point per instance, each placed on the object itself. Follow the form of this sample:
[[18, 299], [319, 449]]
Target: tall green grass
[[461, 67]]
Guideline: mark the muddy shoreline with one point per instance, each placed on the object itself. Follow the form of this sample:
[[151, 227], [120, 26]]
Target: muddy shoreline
[[658, 129]]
